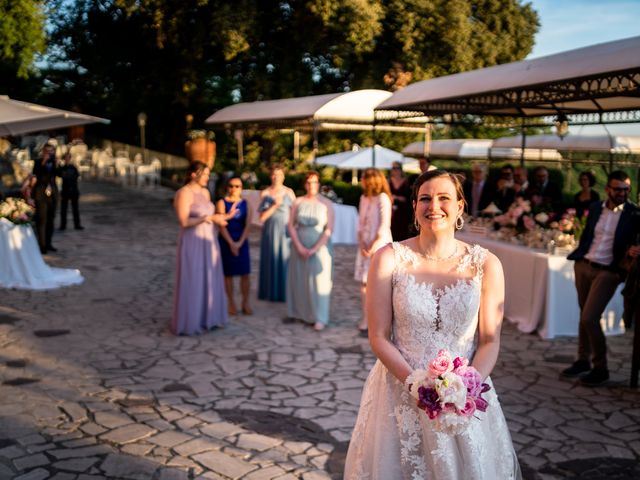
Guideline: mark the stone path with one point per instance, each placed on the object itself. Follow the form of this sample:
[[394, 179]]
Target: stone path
[[94, 386]]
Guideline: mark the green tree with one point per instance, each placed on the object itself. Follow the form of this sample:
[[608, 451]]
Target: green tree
[[170, 58], [22, 34]]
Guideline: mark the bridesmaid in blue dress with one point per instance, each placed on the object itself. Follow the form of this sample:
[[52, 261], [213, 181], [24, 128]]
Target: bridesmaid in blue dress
[[234, 246], [199, 301], [274, 209], [310, 273]]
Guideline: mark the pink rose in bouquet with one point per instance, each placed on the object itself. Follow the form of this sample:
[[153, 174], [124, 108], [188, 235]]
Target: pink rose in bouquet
[[443, 363], [449, 391]]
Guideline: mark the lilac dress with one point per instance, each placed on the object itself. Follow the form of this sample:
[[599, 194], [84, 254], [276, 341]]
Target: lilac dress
[[199, 301]]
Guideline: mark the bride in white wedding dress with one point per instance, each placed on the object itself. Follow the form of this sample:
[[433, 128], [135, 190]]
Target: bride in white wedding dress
[[22, 265], [428, 293]]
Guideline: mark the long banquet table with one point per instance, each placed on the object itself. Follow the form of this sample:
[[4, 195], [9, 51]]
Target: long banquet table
[[345, 222], [540, 292]]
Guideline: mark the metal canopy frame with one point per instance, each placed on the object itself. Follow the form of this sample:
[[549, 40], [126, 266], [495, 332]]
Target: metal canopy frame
[[595, 79]]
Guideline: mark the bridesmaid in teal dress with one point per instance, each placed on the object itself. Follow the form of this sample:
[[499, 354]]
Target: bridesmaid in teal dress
[[275, 205], [310, 273]]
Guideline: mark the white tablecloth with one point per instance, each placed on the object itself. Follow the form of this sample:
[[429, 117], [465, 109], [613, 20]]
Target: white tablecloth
[[345, 229], [540, 292], [21, 264]]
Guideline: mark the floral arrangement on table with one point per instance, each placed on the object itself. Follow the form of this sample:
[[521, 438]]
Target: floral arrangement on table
[[328, 192], [449, 391], [570, 223], [16, 211]]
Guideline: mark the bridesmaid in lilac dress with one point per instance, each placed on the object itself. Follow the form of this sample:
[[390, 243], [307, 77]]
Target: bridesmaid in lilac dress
[[199, 300]]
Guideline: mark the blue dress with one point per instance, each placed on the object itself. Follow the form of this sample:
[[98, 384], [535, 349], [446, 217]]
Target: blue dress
[[309, 281], [274, 251], [234, 265]]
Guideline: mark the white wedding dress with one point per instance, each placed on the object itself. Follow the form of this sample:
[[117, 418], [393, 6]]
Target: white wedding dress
[[21, 264], [393, 439]]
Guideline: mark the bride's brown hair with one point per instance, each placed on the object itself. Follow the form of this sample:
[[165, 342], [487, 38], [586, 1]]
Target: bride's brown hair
[[430, 175]]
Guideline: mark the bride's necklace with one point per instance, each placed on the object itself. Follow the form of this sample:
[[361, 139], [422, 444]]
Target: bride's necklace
[[440, 259]]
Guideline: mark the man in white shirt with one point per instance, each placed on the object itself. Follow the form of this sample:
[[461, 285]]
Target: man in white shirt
[[611, 230]]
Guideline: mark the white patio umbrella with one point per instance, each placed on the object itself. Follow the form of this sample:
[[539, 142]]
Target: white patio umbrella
[[17, 118], [361, 158]]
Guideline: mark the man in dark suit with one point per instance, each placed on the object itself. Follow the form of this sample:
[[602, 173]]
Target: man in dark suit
[[611, 230], [543, 193], [477, 191], [45, 195]]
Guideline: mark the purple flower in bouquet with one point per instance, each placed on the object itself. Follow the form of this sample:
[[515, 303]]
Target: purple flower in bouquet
[[481, 403], [429, 401], [472, 380], [459, 363]]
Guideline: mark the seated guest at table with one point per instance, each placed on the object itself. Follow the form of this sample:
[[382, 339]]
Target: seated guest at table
[[477, 191], [199, 299], [374, 229], [520, 181], [504, 192], [400, 194], [310, 272], [587, 195], [234, 246], [612, 227], [70, 193], [543, 193], [275, 205], [45, 196]]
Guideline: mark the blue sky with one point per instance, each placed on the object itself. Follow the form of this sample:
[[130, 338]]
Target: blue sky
[[569, 24]]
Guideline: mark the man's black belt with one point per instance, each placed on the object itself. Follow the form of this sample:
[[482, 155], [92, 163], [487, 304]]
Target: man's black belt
[[600, 266]]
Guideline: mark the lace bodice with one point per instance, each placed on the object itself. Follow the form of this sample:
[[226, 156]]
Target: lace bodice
[[428, 318]]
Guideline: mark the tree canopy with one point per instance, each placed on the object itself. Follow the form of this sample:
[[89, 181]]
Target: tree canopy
[[22, 36], [170, 58]]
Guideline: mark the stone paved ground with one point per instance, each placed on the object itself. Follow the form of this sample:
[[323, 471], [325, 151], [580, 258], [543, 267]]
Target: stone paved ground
[[94, 386]]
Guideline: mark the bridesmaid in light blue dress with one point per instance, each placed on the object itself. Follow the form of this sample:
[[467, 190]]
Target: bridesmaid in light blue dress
[[274, 209], [310, 273]]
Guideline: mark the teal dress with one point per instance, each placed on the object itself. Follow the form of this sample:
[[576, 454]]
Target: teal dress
[[309, 281], [274, 251]]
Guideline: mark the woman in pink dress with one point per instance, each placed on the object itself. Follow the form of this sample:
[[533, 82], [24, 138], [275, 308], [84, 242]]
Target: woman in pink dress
[[374, 229], [199, 300]]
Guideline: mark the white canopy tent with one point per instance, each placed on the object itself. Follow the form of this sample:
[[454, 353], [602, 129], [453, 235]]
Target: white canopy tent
[[598, 78], [18, 118], [574, 143], [479, 149], [361, 158], [332, 112], [351, 107]]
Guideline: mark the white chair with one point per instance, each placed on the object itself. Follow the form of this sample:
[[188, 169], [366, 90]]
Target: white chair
[[149, 173], [105, 165], [123, 168]]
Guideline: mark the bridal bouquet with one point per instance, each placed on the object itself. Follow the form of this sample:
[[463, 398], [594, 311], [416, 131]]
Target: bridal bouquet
[[449, 391], [16, 211]]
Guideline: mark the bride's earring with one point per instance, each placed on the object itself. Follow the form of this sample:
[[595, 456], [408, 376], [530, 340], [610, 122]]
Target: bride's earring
[[459, 223], [416, 224]]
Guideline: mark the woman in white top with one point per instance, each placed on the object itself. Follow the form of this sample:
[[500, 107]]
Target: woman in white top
[[374, 229]]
